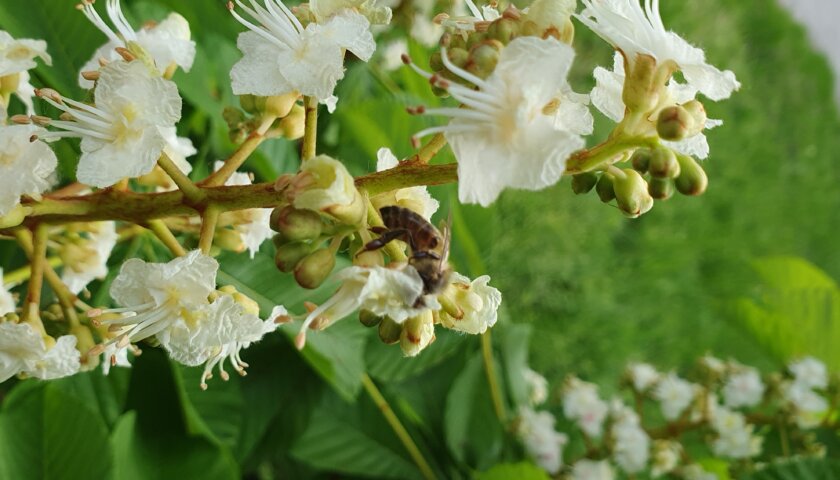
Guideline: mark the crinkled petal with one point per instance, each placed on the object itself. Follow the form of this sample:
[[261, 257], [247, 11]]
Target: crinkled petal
[[711, 82], [606, 96], [260, 71], [61, 360], [103, 164], [25, 166], [517, 66], [316, 66], [169, 42], [348, 30]]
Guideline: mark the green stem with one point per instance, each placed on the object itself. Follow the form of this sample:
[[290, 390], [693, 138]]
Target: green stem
[[429, 150], [220, 176], [310, 128], [209, 219], [37, 261], [492, 379], [17, 276], [162, 232], [408, 175], [398, 427], [588, 160], [191, 191]]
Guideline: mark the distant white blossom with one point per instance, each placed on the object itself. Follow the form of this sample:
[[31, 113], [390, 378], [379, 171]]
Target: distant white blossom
[[631, 444], [392, 54], [281, 56], [168, 42], [674, 395], [635, 30], [25, 166], [506, 138], [478, 301], [537, 387], [743, 388], [809, 372], [809, 407], [124, 134], [666, 457], [373, 10], [467, 23], [18, 56], [735, 436], [642, 375], [696, 472], [592, 470], [88, 260], [582, 405], [24, 351], [542, 442]]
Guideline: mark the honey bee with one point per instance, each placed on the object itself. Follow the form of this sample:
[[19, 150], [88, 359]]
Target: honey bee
[[429, 247]]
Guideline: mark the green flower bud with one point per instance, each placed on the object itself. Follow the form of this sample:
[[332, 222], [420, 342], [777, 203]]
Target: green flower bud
[[692, 179], [369, 319], [484, 57], [293, 125], [229, 240], [584, 182], [436, 62], [233, 117], [280, 105], [459, 56], [641, 160], [661, 188], [297, 224], [289, 255], [503, 29], [663, 163], [389, 331], [674, 123], [640, 93], [604, 188], [631, 192], [248, 103], [315, 268], [698, 113]]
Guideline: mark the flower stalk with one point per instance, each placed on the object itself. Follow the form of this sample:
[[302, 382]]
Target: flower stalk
[[310, 133], [191, 191], [166, 237]]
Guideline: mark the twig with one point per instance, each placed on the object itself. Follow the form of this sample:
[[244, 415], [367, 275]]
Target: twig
[[209, 219]]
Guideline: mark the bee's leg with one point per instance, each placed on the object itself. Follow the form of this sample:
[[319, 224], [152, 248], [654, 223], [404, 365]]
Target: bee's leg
[[426, 254], [383, 240], [379, 230]]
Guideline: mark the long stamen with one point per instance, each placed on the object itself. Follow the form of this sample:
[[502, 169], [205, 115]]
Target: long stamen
[[287, 12], [458, 113], [89, 108], [278, 26], [445, 129], [258, 30], [74, 127], [474, 9], [300, 339], [92, 15], [460, 71], [119, 21]]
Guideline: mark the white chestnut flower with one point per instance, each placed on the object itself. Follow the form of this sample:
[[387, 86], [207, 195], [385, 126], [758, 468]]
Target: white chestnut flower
[[743, 388], [666, 457], [18, 56], [281, 56], [537, 387], [607, 98], [214, 333], [167, 43], [809, 373], [124, 134], [542, 442], [25, 166], [639, 31], [395, 292], [155, 295], [510, 135], [735, 436], [324, 185], [548, 14], [642, 375], [425, 31], [809, 407], [24, 351], [252, 224], [477, 301], [416, 199], [392, 53], [376, 13], [592, 470], [631, 444], [7, 301], [674, 395], [582, 404], [88, 260], [418, 332], [114, 356]]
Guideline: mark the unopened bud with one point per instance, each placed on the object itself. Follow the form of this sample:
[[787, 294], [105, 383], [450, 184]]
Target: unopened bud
[[369, 319], [698, 113], [389, 331], [674, 123], [369, 259], [436, 62], [248, 103], [458, 56], [503, 29], [663, 163], [641, 160], [229, 240], [292, 127], [289, 255], [352, 214], [661, 188], [484, 57], [639, 92], [280, 105], [631, 193], [692, 179], [584, 182], [296, 224], [315, 268], [604, 188], [417, 334], [233, 117]]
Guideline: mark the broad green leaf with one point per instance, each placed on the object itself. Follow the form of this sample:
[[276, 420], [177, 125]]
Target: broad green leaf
[[387, 362], [803, 469], [103, 393], [507, 471], [217, 413], [352, 439], [473, 434], [513, 340], [47, 433]]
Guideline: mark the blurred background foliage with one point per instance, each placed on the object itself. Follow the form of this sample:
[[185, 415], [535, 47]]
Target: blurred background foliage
[[746, 271]]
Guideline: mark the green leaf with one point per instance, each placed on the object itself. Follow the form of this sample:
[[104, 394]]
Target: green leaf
[[387, 362], [105, 394], [514, 339], [803, 469], [47, 433], [352, 439], [794, 311], [473, 434], [519, 471]]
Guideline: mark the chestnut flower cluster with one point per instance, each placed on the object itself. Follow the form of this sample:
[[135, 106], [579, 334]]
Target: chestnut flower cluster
[[733, 410]]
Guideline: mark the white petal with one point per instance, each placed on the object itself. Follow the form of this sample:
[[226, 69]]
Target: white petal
[[260, 71], [25, 167], [103, 164], [606, 96], [61, 360], [169, 42], [385, 159]]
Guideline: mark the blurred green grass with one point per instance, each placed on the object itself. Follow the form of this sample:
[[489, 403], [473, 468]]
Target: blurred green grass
[[601, 290]]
